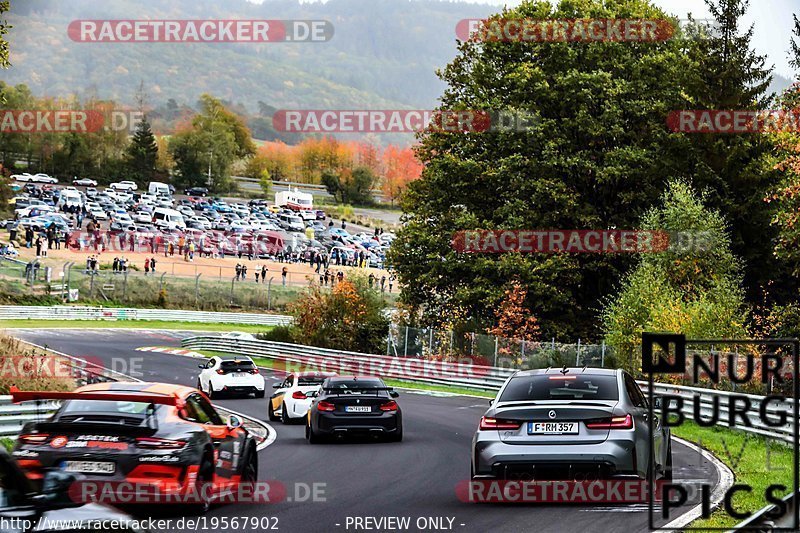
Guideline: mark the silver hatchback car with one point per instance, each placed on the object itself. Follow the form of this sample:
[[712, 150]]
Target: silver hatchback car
[[572, 423]]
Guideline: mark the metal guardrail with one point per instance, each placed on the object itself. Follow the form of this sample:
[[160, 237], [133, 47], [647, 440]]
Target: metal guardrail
[[66, 312], [485, 378], [761, 521]]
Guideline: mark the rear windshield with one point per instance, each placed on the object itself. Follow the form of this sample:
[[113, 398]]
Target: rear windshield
[[104, 406], [559, 387], [352, 385], [234, 366], [306, 381]]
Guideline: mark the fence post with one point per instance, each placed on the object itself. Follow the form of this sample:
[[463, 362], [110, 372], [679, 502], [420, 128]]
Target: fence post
[[269, 294], [197, 288], [389, 342], [125, 286], [495, 351], [405, 349], [451, 341], [603, 354], [522, 349], [161, 286], [233, 280], [430, 342], [92, 274], [578, 353]]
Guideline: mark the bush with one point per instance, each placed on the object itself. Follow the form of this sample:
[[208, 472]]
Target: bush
[[349, 317], [278, 334]]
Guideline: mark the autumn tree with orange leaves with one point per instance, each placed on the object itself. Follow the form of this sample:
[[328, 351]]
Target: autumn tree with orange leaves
[[401, 167], [514, 320]]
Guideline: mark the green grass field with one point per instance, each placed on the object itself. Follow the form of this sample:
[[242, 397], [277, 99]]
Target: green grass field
[[754, 460]]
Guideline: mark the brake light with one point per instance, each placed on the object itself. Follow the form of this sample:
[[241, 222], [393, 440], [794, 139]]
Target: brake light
[[159, 444], [616, 422], [562, 378], [254, 371], [389, 406], [220, 372], [33, 438], [325, 406], [488, 423], [299, 395]]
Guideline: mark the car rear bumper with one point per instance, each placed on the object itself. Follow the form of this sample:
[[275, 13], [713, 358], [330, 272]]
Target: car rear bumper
[[492, 457], [385, 423]]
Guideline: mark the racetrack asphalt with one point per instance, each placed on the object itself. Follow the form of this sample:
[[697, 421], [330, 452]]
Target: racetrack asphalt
[[416, 478]]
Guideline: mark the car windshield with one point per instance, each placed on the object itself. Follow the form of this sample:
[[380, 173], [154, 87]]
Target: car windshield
[[309, 381], [561, 387]]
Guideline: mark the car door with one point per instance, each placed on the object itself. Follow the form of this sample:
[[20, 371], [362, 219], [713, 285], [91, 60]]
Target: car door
[[207, 372], [641, 415], [228, 442], [277, 396]]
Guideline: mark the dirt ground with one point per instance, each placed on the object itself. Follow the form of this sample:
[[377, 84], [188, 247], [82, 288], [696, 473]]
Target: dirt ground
[[210, 268]]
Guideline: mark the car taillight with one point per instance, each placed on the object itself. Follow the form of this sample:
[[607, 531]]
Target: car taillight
[[159, 444], [33, 438], [325, 406], [615, 422], [389, 406], [220, 371], [254, 371], [488, 422], [299, 395]]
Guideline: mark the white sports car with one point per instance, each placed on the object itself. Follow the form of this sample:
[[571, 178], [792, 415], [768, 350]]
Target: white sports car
[[230, 374], [293, 396]]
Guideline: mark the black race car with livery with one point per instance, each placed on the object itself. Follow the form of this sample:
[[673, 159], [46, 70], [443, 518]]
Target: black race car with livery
[[147, 435], [352, 405]]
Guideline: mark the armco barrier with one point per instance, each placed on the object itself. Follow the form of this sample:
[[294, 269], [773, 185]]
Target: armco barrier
[[68, 312], [484, 378]]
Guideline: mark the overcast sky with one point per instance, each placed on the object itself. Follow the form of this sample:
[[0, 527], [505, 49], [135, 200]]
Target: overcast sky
[[772, 19]]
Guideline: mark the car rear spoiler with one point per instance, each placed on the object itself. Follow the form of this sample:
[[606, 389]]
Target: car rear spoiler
[[354, 389], [18, 396]]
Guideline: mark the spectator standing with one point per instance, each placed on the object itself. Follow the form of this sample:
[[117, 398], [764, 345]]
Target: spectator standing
[[264, 273], [153, 265], [146, 266], [284, 272], [383, 283]]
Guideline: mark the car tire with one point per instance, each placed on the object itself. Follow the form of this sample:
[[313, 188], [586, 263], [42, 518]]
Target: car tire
[[211, 394], [250, 467], [397, 436], [271, 412], [285, 419], [313, 436], [205, 474]]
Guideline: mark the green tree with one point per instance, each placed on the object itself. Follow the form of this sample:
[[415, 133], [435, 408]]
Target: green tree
[[141, 157], [216, 138], [735, 170], [693, 288], [350, 186], [265, 181], [596, 155], [4, 27]]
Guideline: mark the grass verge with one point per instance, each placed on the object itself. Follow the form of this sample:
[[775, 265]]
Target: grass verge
[[755, 461], [125, 324]]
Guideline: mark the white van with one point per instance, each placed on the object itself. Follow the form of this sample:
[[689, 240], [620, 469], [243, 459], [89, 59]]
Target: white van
[[71, 198], [157, 188], [168, 218]]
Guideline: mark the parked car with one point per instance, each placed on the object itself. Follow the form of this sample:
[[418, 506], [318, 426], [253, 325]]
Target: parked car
[[196, 191], [84, 182]]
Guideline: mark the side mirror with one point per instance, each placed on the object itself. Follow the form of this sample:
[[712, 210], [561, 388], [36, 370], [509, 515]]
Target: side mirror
[[277, 385], [491, 402], [234, 421], [394, 394], [201, 366]]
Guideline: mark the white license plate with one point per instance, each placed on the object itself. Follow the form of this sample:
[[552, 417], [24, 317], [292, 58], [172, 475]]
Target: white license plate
[[89, 467], [552, 428], [357, 409], [238, 375]]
